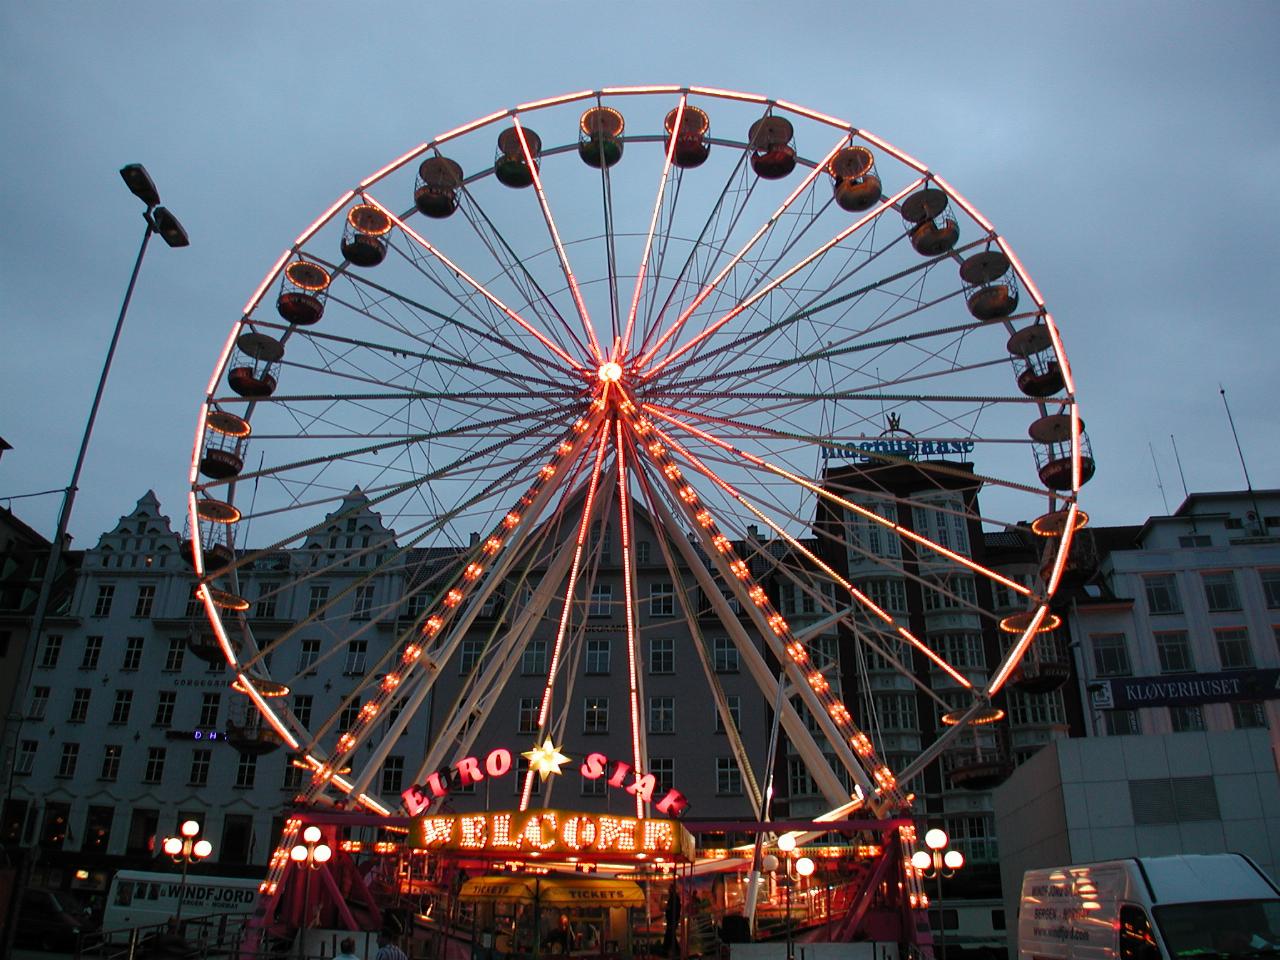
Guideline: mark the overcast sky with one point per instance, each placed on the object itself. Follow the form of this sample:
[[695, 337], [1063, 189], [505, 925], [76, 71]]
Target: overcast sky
[[1128, 150]]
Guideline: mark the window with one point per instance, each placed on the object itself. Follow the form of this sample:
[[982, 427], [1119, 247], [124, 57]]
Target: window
[[888, 594], [522, 771], [1120, 723], [194, 606], [97, 828], [132, 653], [1233, 648], [111, 755], [246, 770], [595, 715], [534, 659], [356, 650], [106, 594], [662, 714], [961, 649], [80, 705], [319, 597], [393, 775], [1037, 708], [728, 777], [92, 652], [26, 756], [799, 780], [591, 788], [527, 715], [949, 593], [155, 765], [662, 599], [724, 655], [896, 711], [1220, 591], [734, 703], [601, 603], [1195, 540], [1271, 588], [209, 705], [349, 715], [642, 552], [309, 654], [1162, 594], [1174, 651], [199, 776], [292, 779], [362, 607], [164, 708], [120, 709], [39, 703], [662, 655], [50, 652], [1110, 655], [1249, 716], [265, 608], [469, 655], [67, 762], [146, 600], [974, 836], [664, 773], [177, 653], [302, 708], [598, 655], [1186, 718]]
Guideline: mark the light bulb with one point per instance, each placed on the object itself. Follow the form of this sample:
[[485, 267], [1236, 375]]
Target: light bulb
[[190, 828], [311, 834], [921, 860], [298, 854], [322, 853], [769, 863], [953, 859], [202, 848], [786, 843], [172, 846], [804, 867], [935, 839]]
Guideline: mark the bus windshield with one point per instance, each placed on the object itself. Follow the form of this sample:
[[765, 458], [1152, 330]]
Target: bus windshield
[[1228, 929]]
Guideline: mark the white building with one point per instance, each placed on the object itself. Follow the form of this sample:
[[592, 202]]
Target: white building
[[1180, 632]]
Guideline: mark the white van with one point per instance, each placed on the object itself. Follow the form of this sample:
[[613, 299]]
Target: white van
[[137, 899], [1150, 908]]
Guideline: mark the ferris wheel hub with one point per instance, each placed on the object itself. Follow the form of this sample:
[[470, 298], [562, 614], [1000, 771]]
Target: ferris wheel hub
[[610, 372]]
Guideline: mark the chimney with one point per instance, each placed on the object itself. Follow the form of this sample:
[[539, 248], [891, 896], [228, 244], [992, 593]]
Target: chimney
[[475, 538]]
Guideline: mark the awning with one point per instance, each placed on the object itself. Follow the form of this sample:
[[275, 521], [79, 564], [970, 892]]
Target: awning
[[585, 892], [555, 891], [497, 888]]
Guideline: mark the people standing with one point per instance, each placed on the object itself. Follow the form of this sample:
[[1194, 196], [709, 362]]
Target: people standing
[[387, 949], [348, 948]]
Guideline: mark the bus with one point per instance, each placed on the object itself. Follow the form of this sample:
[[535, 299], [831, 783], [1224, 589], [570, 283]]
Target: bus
[[138, 899]]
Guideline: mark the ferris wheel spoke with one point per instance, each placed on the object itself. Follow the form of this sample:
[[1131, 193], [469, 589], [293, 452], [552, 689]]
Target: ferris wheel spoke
[[569, 362], [709, 287], [570, 278], [888, 204], [638, 746], [647, 250], [420, 310], [517, 270]]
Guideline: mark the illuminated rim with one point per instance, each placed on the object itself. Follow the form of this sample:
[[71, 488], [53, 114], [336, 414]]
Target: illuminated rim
[[756, 324]]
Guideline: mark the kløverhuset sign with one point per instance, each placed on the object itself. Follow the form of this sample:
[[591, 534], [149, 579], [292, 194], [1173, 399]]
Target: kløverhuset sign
[[1187, 689]]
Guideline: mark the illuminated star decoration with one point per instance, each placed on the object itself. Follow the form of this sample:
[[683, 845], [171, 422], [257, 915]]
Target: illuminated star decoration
[[546, 759]]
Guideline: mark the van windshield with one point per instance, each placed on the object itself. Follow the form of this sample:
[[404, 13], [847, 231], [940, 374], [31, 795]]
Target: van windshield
[[1235, 928]]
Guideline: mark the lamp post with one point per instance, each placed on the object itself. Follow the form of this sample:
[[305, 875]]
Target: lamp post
[[159, 220], [792, 867], [310, 855], [186, 850], [936, 863]]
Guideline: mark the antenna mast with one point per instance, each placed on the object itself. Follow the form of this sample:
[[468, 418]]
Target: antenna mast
[[1159, 482], [1257, 511]]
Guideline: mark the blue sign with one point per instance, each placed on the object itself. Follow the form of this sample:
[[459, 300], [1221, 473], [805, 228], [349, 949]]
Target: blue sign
[[1188, 689], [904, 448]]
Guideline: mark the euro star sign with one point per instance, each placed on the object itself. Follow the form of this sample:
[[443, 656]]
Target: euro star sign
[[546, 759]]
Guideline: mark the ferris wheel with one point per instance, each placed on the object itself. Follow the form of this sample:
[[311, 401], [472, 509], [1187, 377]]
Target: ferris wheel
[[796, 354]]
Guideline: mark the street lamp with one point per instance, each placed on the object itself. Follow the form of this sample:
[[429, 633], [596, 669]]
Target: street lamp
[[313, 854], [186, 850], [936, 863], [792, 867], [159, 220]]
